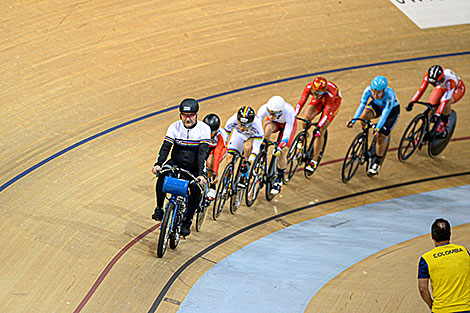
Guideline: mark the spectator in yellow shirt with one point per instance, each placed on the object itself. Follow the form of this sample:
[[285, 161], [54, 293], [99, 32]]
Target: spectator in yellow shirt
[[448, 268]]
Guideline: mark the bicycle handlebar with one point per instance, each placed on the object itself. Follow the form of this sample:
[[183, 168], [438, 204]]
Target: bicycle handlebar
[[309, 123], [270, 143], [173, 169], [369, 124], [409, 107]]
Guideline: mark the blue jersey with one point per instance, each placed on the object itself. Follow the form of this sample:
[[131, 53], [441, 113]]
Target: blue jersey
[[387, 103]]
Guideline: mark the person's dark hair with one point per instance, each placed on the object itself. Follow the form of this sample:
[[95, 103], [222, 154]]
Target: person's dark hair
[[440, 230]]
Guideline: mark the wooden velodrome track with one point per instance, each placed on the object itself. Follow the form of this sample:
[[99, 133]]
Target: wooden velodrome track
[[75, 208]]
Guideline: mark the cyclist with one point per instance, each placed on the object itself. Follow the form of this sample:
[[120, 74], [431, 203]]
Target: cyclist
[[188, 141], [326, 98], [384, 104], [216, 148], [448, 89], [246, 138], [280, 118]]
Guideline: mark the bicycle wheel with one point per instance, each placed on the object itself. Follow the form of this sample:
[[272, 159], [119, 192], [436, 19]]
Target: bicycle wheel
[[202, 210], [270, 178], [165, 229], [412, 137], [175, 233], [237, 195], [294, 157], [255, 179], [437, 144], [353, 158], [223, 191]]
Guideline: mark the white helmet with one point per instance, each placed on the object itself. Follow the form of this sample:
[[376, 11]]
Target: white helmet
[[276, 104]]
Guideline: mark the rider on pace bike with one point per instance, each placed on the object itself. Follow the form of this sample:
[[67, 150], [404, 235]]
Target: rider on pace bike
[[188, 141]]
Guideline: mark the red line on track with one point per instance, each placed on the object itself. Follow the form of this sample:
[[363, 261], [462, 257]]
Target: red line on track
[[151, 229], [110, 266]]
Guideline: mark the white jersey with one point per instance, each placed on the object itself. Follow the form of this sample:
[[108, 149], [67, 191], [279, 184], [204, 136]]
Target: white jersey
[[287, 118], [255, 131]]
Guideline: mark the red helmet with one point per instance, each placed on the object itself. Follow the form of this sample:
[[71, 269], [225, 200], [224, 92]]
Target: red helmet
[[319, 85]]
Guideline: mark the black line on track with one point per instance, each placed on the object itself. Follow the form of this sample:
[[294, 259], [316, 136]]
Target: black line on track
[[180, 270]]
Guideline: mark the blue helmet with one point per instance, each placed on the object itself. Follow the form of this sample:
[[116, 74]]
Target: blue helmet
[[379, 83]]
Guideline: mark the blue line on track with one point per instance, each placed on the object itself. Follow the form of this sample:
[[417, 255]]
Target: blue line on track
[[82, 142]]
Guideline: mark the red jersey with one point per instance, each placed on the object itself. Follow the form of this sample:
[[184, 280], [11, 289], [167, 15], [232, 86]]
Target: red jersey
[[328, 104], [450, 85], [216, 147]]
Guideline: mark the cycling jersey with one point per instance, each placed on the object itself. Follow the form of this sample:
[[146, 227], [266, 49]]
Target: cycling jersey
[[255, 131], [286, 119], [190, 146], [387, 103], [450, 87], [216, 148], [328, 104]]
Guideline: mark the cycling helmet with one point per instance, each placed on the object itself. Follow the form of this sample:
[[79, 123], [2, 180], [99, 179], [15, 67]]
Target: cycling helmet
[[275, 104], [379, 83], [435, 74], [246, 115], [319, 85], [213, 121], [189, 105]]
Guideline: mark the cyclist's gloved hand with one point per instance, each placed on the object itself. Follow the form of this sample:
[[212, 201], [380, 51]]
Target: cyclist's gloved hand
[[350, 124], [277, 151], [245, 167], [201, 180], [316, 133], [156, 169], [375, 129], [409, 107], [434, 118]]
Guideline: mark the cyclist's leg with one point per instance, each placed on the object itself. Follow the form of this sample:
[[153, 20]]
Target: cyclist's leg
[[327, 117], [160, 195], [285, 150], [193, 202], [310, 112], [384, 132], [270, 127]]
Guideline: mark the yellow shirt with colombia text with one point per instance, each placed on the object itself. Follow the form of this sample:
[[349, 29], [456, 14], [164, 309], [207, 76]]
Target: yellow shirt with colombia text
[[449, 271]]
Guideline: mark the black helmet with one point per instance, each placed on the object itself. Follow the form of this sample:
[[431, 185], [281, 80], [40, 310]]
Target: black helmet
[[246, 115], [189, 105], [213, 121], [435, 74]]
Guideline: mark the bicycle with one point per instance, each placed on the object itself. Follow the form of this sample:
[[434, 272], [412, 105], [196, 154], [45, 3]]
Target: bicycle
[[300, 153], [176, 207], [262, 173], [422, 130], [229, 186], [203, 205], [360, 152]]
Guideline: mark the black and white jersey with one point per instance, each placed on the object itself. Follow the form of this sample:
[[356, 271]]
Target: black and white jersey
[[189, 146]]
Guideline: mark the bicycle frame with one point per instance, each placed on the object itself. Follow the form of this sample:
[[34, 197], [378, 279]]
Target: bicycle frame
[[179, 199]]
